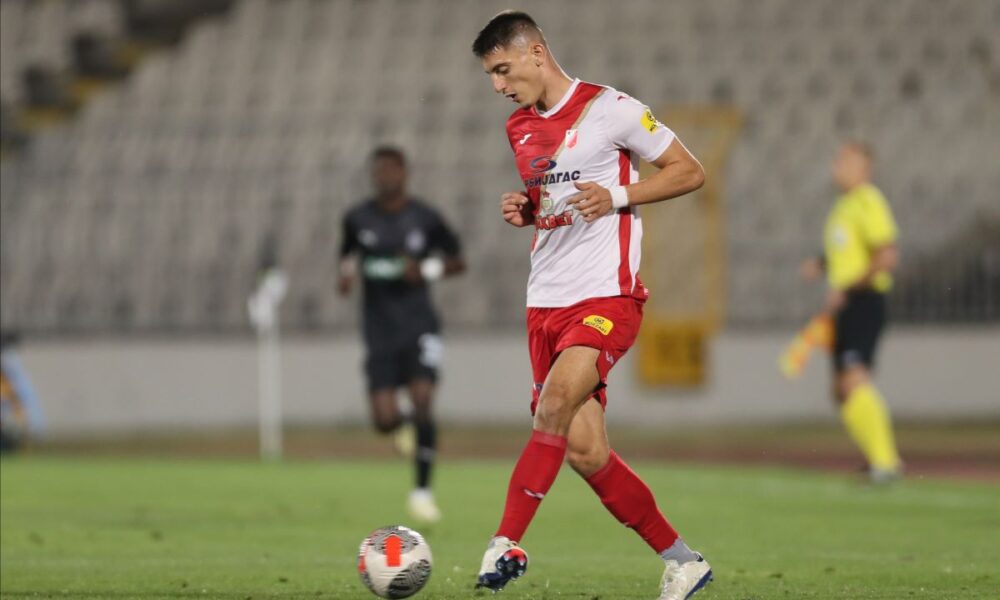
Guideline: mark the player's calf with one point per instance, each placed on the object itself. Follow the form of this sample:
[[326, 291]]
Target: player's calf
[[587, 460]]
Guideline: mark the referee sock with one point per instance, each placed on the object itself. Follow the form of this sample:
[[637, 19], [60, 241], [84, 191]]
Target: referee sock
[[630, 500], [426, 449], [867, 421], [533, 475]]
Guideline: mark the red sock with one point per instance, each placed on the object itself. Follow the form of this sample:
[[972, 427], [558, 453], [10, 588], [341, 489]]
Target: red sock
[[632, 503], [532, 477]]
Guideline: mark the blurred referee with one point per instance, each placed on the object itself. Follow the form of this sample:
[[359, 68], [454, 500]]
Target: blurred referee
[[859, 256], [397, 245]]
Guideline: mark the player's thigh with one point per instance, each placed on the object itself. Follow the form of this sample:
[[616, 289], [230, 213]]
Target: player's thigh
[[419, 364], [570, 382], [541, 350], [875, 316], [858, 328], [850, 333], [383, 368], [587, 448]]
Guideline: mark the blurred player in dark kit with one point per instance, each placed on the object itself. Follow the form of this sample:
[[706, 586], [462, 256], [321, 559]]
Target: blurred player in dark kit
[[397, 246]]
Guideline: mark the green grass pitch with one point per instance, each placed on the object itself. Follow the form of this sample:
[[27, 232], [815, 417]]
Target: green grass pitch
[[158, 529]]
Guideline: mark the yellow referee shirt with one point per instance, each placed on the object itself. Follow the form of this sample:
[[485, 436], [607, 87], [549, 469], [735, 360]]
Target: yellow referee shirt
[[859, 222]]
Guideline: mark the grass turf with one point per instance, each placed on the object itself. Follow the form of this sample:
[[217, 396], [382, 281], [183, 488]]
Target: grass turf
[[108, 528]]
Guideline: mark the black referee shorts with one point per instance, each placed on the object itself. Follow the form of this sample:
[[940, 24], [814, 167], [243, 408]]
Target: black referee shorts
[[857, 329], [400, 365]]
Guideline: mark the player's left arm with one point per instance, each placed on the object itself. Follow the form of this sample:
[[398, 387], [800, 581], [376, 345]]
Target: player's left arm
[[679, 173], [451, 262], [884, 259], [446, 241], [879, 230], [632, 126]]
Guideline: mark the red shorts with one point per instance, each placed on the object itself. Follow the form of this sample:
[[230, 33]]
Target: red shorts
[[608, 324]]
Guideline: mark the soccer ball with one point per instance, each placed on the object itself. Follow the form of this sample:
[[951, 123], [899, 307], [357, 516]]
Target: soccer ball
[[394, 562]]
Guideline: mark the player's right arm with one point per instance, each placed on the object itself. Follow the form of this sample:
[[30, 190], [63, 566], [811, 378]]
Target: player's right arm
[[347, 266], [516, 209]]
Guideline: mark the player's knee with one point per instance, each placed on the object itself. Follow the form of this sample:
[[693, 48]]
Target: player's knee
[[587, 461], [551, 419], [849, 380], [555, 410], [386, 424]]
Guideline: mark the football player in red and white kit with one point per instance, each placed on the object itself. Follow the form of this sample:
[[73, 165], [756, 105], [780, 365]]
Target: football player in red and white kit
[[577, 147]]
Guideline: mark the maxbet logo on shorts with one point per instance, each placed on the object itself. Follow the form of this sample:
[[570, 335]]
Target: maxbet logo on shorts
[[599, 323]]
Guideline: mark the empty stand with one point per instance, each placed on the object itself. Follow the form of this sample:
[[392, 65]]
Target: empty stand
[[147, 212]]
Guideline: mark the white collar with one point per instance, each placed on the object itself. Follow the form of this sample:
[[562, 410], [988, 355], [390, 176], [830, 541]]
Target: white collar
[[562, 101]]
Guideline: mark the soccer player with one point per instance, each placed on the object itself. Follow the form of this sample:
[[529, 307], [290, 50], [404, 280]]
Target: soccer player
[[398, 245], [859, 256], [577, 147]]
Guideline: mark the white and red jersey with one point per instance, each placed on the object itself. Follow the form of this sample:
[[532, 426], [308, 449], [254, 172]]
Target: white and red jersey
[[597, 134]]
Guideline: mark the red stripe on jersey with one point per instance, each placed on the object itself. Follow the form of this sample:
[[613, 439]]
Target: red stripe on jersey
[[624, 226], [535, 137]]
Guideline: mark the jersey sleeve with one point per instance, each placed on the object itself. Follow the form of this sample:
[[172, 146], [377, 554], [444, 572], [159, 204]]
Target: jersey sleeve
[[443, 239], [349, 236], [631, 125], [878, 226]]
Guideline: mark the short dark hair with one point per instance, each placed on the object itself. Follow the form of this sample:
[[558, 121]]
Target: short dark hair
[[501, 31], [390, 152]]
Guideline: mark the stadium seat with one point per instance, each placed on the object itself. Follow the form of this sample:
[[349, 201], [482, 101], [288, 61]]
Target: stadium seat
[[270, 110]]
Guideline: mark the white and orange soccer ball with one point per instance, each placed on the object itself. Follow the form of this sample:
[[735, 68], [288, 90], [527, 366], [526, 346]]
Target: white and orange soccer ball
[[394, 562]]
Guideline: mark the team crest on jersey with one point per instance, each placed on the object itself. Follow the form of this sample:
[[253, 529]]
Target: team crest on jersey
[[367, 237], [572, 136], [839, 236], [649, 121], [546, 202], [415, 241], [602, 324]]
